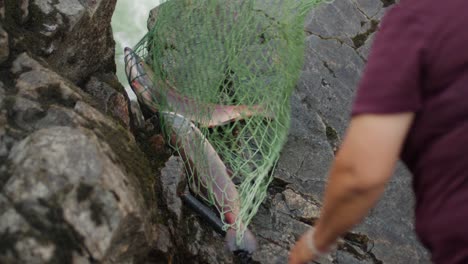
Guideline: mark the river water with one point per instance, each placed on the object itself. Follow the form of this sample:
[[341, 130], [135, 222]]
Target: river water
[[129, 26]]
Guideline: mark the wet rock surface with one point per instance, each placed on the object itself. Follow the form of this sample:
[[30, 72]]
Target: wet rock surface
[[74, 185]]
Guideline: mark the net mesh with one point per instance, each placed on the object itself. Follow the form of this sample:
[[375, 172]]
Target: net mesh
[[223, 72]]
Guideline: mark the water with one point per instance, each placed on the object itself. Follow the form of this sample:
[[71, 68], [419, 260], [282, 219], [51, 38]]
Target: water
[[129, 26]]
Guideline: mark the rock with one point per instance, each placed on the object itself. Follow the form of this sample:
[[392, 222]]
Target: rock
[[4, 45], [20, 245], [88, 47], [369, 8], [24, 10], [300, 207], [137, 115], [77, 181], [348, 21], [163, 241], [153, 16], [365, 49], [2, 9], [173, 183], [26, 112], [38, 89], [109, 99], [72, 35], [325, 91]]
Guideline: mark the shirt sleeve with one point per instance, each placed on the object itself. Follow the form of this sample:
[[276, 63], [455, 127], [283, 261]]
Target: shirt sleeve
[[391, 82]]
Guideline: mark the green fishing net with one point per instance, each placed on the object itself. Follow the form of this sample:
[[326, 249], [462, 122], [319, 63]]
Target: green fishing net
[[208, 54]]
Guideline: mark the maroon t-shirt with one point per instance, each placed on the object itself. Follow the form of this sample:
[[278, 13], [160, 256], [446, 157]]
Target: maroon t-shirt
[[419, 63]]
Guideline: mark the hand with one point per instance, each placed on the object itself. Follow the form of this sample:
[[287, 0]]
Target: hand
[[300, 253]]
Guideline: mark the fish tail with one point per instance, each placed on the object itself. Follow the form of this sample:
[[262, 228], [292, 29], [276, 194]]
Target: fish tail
[[247, 244]]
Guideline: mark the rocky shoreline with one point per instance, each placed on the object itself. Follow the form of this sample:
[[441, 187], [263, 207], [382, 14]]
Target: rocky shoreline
[[79, 185]]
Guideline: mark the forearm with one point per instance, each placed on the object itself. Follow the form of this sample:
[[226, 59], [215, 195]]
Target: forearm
[[347, 202]]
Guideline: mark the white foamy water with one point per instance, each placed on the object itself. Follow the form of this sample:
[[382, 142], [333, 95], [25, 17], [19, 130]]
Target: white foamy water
[[129, 26]]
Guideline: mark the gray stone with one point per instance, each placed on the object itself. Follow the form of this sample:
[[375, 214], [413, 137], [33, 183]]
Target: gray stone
[[20, 245], [24, 10], [75, 175], [36, 81], [72, 9], [95, 214], [60, 116], [74, 187], [4, 45], [109, 100], [26, 112], [45, 6], [340, 20], [370, 8], [74, 36], [88, 47], [153, 16], [173, 183], [163, 241], [364, 50], [137, 115]]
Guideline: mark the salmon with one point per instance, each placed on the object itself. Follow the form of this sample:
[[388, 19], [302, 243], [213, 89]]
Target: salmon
[[211, 176], [204, 114]]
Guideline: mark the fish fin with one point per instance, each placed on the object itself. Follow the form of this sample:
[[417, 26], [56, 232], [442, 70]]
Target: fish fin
[[248, 243]]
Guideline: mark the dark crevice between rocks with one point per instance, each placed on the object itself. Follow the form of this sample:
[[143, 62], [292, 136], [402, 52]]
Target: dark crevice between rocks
[[307, 220], [54, 228], [333, 138], [12, 128], [360, 39], [362, 12], [96, 212], [136, 162], [83, 192], [52, 94], [310, 33], [360, 247], [7, 244], [330, 70], [272, 241], [387, 3], [242, 257], [357, 245], [5, 175], [277, 185]]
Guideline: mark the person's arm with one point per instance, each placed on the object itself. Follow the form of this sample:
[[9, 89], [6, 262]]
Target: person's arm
[[362, 167]]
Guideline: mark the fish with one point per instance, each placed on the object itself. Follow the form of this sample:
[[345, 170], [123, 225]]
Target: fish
[[212, 175], [208, 115]]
